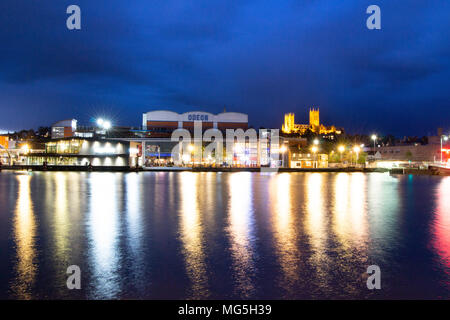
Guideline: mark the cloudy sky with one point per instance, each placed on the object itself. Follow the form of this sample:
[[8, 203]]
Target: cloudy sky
[[259, 57]]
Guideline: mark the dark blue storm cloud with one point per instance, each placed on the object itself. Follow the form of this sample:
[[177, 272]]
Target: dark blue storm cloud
[[260, 57]]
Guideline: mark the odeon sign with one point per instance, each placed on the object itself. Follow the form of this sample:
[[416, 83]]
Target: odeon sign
[[198, 117]]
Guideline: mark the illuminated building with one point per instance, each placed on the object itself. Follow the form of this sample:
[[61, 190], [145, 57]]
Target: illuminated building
[[4, 140], [64, 129], [309, 160], [82, 152], [401, 153], [314, 125], [161, 123]]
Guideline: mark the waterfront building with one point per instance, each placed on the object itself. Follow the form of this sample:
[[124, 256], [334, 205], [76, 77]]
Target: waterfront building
[[4, 153], [161, 123], [308, 160], [153, 143], [416, 153], [289, 125], [4, 140], [82, 152]]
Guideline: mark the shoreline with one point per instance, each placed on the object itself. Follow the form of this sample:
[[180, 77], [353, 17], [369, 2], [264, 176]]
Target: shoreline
[[396, 171], [181, 169]]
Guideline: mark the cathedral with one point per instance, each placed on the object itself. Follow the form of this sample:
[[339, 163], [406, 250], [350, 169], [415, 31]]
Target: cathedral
[[314, 125]]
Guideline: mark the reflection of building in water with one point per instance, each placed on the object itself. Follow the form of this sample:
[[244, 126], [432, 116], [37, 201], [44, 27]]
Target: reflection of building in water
[[441, 225], [314, 125], [24, 238], [104, 232], [241, 233], [191, 232], [285, 233]]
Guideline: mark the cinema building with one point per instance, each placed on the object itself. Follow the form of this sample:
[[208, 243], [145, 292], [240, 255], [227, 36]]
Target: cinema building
[[163, 123], [157, 149]]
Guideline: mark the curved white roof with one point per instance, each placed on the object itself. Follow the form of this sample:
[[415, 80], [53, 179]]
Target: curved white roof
[[165, 115]]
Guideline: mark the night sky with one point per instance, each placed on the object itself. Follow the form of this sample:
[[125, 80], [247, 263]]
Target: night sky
[[259, 57]]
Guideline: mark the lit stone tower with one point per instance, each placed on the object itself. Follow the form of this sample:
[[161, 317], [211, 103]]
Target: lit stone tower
[[314, 120], [289, 123]]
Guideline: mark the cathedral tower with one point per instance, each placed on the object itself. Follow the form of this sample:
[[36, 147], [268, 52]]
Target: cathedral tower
[[314, 120]]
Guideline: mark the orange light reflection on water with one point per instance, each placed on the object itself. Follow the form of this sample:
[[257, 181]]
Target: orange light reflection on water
[[285, 235], [191, 232]]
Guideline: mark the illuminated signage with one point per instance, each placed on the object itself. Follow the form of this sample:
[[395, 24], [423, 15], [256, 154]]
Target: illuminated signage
[[198, 117]]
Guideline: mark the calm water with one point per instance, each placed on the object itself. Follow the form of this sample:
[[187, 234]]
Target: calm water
[[223, 235]]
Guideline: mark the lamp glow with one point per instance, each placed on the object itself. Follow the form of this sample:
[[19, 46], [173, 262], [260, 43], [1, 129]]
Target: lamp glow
[[107, 125]]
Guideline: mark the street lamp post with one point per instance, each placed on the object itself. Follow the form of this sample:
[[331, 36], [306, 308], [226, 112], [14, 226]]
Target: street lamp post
[[191, 149], [374, 138], [341, 149], [314, 150]]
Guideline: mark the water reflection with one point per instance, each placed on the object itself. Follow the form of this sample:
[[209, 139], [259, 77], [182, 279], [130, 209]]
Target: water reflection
[[129, 236], [358, 209], [24, 238], [315, 218], [135, 228], [241, 233], [191, 231], [133, 211], [61, 224], [285, 231], [341, 199], [441, 226], [103, 231]]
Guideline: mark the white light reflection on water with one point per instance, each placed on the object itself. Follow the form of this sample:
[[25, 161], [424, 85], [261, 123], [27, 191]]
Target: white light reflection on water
[[241, 233], [103, 228], [135, 230]]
